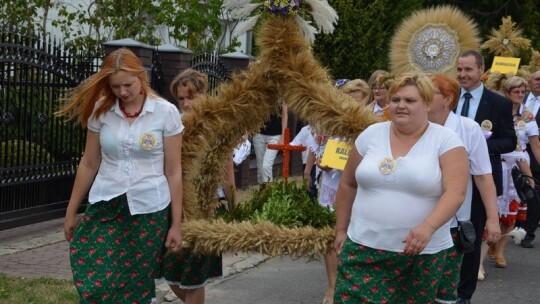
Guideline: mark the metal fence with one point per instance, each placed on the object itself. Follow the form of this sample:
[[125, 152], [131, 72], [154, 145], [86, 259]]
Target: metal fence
[[39, 152], [216, 70]]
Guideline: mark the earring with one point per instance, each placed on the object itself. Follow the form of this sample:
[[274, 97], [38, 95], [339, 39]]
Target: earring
[[141, 92]]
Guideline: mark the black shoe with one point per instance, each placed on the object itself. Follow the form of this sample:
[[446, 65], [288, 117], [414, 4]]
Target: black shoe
[[463, 301], [527, 242]]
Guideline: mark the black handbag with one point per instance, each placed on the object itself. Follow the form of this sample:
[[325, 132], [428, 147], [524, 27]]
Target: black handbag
[[525, 191], [466, 236]]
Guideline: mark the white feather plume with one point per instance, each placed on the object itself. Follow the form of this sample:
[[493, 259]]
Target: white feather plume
[[234, 4], [307, 29], [245, 25], [244, 11], [324, 15]]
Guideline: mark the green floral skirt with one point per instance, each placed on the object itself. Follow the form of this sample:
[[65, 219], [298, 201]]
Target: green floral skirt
[[189, 271], [368, 275], [447, 292], [115, 256]]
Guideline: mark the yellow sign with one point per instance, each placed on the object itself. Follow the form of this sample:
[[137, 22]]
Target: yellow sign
[[336, 154], [505, 64]]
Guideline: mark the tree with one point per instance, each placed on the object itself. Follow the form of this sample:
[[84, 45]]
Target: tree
[[23, 16], [152, 22], [360, 42], [86, 24]]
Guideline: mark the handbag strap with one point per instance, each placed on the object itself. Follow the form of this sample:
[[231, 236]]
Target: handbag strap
[[521, 175]]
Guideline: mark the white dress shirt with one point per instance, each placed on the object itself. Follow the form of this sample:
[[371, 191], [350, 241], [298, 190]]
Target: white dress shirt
[[533, 103], [132, 156], [476, 146], [474, 102]]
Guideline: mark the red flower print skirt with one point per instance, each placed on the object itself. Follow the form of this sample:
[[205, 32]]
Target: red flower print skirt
[[115, 256], [368, 275]]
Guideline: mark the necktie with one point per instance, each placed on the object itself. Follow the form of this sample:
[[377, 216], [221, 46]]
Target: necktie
[[465, 108]]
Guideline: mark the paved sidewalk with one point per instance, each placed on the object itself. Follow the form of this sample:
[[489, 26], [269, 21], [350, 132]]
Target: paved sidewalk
[[40, 250]]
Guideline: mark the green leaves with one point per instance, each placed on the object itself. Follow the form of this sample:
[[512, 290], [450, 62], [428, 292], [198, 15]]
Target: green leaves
[[284, 204], [198, 24]]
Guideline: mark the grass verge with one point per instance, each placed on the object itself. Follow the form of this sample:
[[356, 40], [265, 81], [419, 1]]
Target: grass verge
[[16, 290]]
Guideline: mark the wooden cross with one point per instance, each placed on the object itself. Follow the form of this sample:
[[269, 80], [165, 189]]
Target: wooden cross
[[286, 148]]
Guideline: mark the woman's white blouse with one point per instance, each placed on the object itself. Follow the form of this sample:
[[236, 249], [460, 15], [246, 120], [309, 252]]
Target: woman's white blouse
[[132, 156]]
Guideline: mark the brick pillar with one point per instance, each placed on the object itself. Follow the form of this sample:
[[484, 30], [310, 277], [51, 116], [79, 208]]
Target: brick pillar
[[173, 61], [236, 61], [144, 51]]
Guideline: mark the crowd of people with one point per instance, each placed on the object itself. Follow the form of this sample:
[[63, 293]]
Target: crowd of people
[[442, 154]]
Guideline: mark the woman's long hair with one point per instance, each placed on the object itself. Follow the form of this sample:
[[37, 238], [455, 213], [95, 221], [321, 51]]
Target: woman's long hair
[[82, 100]]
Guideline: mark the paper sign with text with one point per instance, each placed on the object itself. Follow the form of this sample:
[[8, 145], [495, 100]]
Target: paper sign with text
[[505, 64], [336, 154]]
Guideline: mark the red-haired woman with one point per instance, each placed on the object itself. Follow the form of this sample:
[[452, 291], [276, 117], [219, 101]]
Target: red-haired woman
[[131, 165]]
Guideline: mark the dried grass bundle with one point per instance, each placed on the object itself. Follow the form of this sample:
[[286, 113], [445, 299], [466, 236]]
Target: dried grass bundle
[[507, 40], [263, 237]]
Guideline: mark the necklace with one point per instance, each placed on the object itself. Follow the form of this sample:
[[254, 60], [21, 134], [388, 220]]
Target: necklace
[[128, 115]]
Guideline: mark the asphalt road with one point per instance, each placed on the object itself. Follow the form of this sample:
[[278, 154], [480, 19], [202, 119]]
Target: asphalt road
[[282, 280]]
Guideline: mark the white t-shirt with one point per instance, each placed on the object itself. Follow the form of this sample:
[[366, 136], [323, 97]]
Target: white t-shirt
[[132, 156], [476, 146], [329, 179], [387, 207], [302, 139]]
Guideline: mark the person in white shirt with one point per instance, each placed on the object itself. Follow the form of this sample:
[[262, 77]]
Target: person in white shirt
[[532, 102], [403, 182], [441, 112], [132, 167], [379, 84], [303, 138]]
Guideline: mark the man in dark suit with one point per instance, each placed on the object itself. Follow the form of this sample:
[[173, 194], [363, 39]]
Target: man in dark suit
[[494, 114], [532, 102]]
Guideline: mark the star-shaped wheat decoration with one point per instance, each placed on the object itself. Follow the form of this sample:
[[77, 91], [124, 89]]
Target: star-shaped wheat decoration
[[508, 40], [526, 71]]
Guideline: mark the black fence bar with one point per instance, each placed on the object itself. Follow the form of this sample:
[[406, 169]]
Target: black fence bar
[[39, 152]]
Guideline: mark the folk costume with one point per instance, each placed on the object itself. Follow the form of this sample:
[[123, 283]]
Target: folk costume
[[509, 202], [116, 249]]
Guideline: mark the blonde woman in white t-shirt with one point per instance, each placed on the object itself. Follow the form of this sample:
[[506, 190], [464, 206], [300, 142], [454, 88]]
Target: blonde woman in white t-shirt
[[403, 182]]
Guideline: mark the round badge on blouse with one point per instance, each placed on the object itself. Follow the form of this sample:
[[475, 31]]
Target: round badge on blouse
[[148, 141], [387, 165], [486, 125], [521, 125]]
